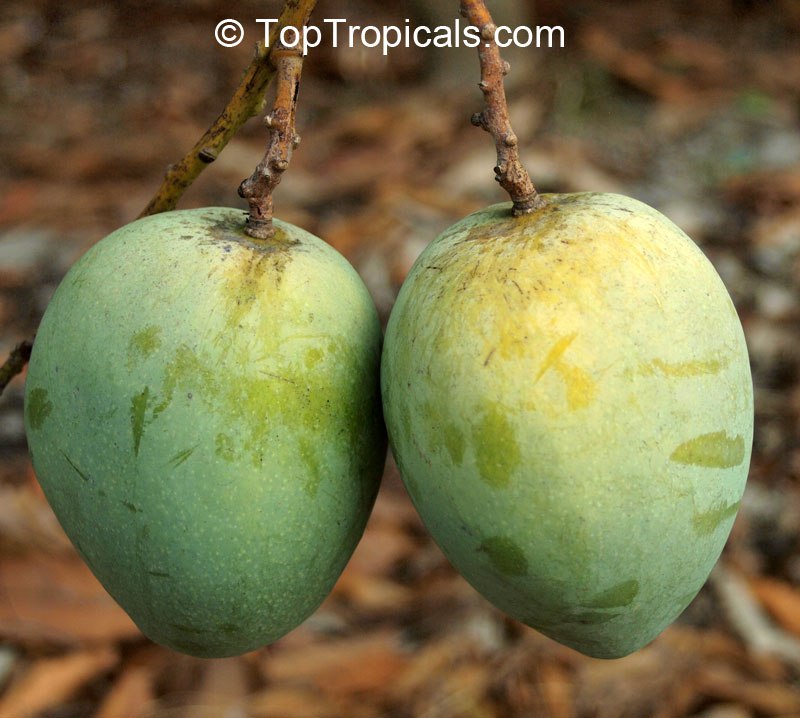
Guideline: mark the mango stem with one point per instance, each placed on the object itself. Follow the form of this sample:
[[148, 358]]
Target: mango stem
[[257, 189], [509, 171], [247, 101]]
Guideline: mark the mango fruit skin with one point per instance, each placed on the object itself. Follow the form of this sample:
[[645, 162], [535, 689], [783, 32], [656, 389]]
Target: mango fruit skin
[[569, 401], [203, 414]]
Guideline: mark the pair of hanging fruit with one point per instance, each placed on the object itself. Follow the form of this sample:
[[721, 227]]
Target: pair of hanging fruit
[[564, 379]]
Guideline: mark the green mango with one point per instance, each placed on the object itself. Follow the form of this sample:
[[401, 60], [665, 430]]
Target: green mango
[[203, 414], [569, 401]]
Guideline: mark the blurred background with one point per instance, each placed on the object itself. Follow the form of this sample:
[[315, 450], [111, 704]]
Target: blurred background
[[692, 107]]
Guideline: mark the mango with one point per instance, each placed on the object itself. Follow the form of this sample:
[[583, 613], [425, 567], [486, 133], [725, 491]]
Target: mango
[[203, 414], [569, 401]]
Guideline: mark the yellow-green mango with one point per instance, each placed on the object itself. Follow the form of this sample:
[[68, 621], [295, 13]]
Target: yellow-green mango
[[203, 414], [569, 400]]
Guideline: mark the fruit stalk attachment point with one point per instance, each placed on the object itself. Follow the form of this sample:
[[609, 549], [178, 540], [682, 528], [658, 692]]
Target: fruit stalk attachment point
[[509, 172], [257, 189], [247, 101]]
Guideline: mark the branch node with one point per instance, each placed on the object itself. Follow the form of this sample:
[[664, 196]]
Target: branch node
[[247, 101], [509, 172], [207, 155], [283, 139]]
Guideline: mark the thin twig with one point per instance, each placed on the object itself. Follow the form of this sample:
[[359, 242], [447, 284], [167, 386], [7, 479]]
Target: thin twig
[[509, 172], [257, 189], [247, 101], [15, 363]]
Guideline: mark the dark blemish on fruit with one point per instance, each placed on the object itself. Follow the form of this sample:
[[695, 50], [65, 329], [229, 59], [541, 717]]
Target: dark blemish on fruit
[[229, 629], [181, 456], [137, 413], [313, 357], [716, 450], [706, 522], [224, 447], [133, 508], [74, 467], [143, 344], [506, 556], [497, 452], [618, 596], [314, 470], [188, 629], [160, 574], [229, 227], [593, 618], [38, 408], [489, 356], [454, 443]]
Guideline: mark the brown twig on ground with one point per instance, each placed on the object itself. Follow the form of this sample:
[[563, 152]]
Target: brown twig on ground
[[509, 172], [247, 101], [257, 189], [15, 363]]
